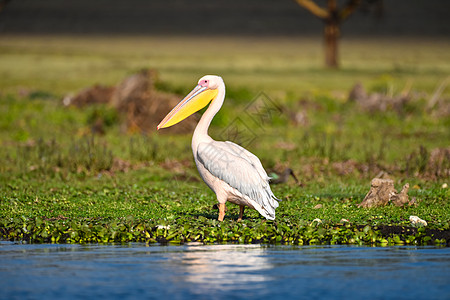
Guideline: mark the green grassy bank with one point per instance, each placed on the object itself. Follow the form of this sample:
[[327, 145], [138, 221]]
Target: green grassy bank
[[60, 182]]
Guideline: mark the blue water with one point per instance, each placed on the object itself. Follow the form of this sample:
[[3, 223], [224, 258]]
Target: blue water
[[140, 271]]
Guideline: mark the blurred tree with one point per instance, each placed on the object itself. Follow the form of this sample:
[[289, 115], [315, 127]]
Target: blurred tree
[[333, 17], [3, 4]]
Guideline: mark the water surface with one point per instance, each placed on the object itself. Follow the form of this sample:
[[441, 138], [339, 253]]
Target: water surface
[[140, 271]]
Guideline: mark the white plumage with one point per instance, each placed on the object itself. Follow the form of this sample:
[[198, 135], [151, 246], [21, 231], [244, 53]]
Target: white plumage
[[243, 172]]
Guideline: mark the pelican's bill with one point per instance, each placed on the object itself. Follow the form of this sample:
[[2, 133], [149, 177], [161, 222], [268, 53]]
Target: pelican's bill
[[198, 98]]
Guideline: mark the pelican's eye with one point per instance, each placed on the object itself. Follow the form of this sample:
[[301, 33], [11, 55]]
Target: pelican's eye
[[204, 83]]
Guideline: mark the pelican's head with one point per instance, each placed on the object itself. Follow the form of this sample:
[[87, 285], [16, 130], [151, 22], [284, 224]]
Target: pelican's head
[[206, 90]]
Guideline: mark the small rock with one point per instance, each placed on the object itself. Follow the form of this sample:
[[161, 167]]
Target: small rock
[[163, 226], [415, 220], [344, 221], [318, 206], [444, 186]]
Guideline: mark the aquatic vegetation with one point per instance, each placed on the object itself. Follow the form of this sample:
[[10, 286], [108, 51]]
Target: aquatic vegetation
[[210, 231]]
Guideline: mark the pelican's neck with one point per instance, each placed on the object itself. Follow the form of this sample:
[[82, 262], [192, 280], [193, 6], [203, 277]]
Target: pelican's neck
[[201, 131]]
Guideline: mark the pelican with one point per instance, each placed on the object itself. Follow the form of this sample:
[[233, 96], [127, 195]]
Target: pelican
[[230, 171]]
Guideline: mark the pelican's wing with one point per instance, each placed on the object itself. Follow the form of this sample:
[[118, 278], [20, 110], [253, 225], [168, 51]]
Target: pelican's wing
[[241, 170], [250, 157]]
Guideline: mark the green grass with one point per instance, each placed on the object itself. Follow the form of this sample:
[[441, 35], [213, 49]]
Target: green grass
[[59, 183], [65, 64]]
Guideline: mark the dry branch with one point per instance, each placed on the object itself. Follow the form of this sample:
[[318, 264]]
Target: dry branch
[[314, 8]]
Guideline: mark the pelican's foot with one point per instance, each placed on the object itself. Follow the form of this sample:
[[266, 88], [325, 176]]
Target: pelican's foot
[[241, 212], [221, 211]]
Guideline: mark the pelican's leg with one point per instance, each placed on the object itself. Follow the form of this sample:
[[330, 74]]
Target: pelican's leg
[[221, 211], [241, 212]]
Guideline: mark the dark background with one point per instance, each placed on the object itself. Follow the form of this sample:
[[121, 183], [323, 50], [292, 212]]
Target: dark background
[[409, 18]]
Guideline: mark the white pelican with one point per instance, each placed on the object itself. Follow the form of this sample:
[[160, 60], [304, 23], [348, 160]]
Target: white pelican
[[233, 173]]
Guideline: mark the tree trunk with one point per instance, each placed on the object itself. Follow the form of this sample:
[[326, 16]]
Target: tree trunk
[[331, 44], [331, 35]]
